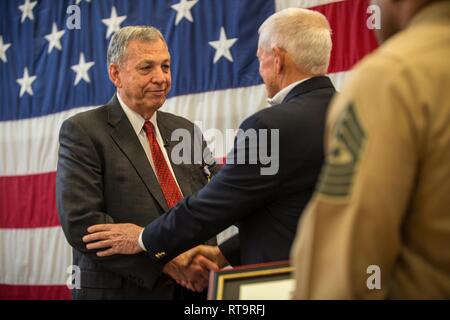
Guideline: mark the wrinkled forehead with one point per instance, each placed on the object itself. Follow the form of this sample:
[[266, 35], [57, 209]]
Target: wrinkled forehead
[[140, 50]]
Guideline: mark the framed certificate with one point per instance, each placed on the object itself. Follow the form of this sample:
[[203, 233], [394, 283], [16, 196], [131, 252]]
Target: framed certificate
[[266, 281]]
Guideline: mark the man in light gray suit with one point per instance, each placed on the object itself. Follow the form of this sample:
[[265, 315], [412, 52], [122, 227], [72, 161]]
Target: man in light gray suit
[[114, 166]]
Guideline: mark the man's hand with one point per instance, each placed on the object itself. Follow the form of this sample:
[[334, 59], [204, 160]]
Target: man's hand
[[191, 268], [120, 238], [211, 253], [193, 276]]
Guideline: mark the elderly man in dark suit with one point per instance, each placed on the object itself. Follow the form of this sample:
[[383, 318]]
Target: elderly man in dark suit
[[114, 167], [263, 200]]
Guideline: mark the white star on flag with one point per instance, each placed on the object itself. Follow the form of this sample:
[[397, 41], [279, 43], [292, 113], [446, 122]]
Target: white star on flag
[[3, 48], [183, 9], [113, 22], [82, 69], [27, 10], [223, 46], [25, 83], [54, 38]]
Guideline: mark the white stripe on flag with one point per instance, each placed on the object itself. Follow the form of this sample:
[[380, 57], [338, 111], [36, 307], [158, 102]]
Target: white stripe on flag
[[30, 146], [340, 78], [37, 256]]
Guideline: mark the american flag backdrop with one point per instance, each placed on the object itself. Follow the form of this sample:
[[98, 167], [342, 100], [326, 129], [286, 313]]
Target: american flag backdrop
[[50, 71]]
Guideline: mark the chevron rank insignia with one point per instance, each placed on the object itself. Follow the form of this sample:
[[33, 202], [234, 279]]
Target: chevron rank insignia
[[343, 156]]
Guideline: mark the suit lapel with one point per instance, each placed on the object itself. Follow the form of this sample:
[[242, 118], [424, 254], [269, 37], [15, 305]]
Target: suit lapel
[[182, 171], [124, 136]]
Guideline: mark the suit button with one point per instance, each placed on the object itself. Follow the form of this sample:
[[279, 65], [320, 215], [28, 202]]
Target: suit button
[[159, 255]]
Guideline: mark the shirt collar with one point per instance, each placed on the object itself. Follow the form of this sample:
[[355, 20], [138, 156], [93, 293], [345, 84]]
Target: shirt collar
[[279, 97], [136, 120]]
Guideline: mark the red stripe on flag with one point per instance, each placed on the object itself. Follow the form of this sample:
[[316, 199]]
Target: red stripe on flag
[[28, 201], [352, 40], [26, 292]]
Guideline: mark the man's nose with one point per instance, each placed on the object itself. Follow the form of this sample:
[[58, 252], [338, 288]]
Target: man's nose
[[158, 76]]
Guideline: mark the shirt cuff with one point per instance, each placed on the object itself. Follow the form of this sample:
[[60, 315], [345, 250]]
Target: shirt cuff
[[141, 244]]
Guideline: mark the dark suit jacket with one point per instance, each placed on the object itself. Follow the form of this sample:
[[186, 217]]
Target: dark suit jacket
[[104, 176], [266, 208]]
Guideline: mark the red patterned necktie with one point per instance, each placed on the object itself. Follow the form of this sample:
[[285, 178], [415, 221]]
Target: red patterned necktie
[[166, 180]]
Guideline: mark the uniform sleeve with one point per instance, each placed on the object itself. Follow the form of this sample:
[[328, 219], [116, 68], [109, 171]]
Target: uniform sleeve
[[79, 195], [350, 235]]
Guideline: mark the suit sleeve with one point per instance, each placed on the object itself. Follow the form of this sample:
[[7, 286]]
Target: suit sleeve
[[230, 249], [352, 228], [80, 203], [235, 192]]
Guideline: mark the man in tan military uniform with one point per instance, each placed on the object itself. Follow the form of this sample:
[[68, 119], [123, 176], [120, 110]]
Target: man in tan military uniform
[[378, 225]]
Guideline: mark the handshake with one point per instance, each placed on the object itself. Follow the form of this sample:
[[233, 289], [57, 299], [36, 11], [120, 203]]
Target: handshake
[[190, 269]]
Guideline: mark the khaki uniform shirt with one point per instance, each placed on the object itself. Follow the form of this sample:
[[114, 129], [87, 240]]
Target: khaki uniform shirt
[[378, 225]]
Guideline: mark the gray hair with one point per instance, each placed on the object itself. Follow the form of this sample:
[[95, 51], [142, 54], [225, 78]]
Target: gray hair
[[120, 39], [303, 33]]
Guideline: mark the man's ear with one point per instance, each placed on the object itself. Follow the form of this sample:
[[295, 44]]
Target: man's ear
[[279, 59], [113, 72]]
